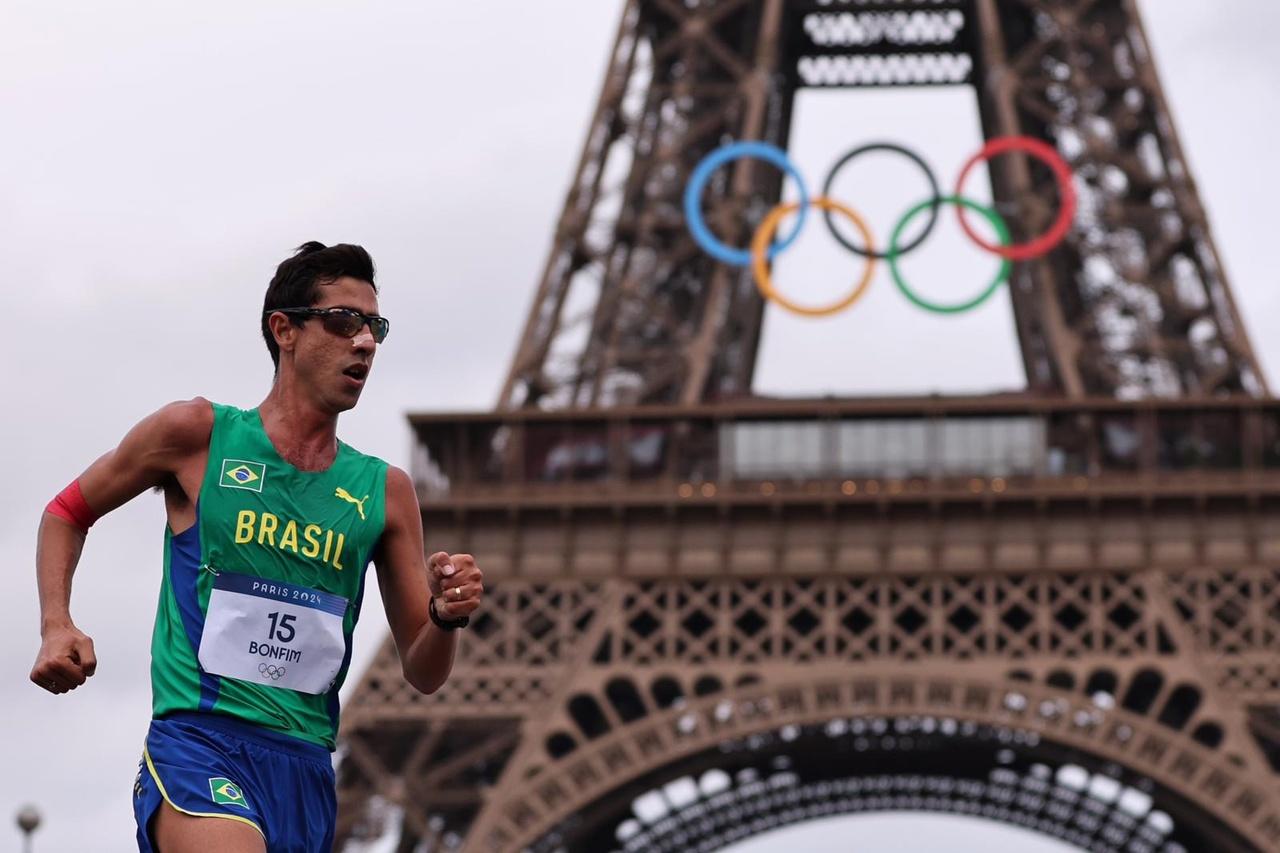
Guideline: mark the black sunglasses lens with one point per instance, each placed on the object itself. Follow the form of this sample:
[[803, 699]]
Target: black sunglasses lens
[[345, 324], [348, 324]]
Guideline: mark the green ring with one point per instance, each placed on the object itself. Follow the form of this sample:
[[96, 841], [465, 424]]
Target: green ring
[[1006, 266]]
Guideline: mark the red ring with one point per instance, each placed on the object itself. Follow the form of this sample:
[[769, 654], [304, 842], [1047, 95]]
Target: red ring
[[1066, 190]]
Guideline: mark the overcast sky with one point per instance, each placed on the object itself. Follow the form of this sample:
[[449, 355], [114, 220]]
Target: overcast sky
[[157, 160]]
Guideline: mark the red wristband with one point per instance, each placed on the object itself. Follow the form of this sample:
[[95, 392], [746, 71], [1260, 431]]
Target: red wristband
[[69, 505]]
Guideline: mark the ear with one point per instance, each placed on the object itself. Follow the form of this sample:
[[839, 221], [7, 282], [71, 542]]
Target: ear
[[284, 331]]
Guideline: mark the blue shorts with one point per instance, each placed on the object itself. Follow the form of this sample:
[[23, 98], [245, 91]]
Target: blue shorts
[[210, 765]]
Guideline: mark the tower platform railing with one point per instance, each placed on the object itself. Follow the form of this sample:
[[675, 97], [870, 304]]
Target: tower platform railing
[[858, 449]]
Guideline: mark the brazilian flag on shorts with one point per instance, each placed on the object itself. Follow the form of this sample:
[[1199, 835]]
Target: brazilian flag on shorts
[[225, 792]]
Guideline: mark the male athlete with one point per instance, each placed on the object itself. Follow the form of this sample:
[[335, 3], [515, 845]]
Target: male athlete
[[272, 521]]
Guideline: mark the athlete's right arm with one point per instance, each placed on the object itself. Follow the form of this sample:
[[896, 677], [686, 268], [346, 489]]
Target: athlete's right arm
[[148, 456]]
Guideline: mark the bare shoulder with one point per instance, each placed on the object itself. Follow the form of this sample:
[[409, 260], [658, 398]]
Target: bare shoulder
[[400, 491], [185, 424], [402, 524], [402, 512], [168, 442]]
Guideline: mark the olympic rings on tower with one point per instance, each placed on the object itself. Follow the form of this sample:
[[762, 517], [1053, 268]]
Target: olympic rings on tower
[[761, 251], [829, 185], [1006, 266], [698, 182], [761, 269], [1066, 191]]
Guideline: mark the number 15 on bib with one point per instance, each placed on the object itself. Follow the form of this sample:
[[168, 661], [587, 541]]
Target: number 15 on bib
[[272, 633]]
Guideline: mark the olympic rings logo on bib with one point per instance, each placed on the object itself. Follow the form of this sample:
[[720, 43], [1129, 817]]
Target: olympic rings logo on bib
[[763, 248], [270, 670]]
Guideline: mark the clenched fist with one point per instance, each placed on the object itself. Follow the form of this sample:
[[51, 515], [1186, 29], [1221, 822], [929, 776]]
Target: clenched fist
[[66, 660], [456, 583]]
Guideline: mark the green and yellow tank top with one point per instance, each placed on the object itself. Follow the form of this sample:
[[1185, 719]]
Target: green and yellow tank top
[[260, 596]]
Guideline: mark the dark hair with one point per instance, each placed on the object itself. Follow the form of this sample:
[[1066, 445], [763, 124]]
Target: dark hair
[[298, 279]]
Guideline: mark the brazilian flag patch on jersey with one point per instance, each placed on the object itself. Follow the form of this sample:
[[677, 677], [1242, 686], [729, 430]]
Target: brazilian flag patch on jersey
[[240, 474], [226, 793]]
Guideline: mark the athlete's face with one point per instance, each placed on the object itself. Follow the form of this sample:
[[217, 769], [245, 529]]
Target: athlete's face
[[330, 366]]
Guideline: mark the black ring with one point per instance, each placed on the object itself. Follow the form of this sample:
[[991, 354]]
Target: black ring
[[881, 146]]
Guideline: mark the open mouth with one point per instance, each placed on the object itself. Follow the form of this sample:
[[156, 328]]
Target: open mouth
[[358, 372]]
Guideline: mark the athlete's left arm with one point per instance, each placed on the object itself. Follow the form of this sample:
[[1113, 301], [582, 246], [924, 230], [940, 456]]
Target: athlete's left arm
[[408, 582]]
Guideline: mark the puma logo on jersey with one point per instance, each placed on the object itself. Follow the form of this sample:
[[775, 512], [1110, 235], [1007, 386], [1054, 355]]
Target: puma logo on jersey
[[346, 496]]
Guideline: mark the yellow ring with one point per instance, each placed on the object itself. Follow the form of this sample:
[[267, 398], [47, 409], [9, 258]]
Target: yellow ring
[[760, 247]]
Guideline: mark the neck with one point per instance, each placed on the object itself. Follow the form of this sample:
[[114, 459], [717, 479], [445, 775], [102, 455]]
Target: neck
[[304, 435]]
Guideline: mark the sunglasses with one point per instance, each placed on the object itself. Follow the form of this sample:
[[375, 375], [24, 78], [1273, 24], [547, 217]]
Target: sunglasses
[[341, 321]]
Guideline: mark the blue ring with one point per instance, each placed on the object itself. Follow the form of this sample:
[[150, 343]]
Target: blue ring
[[698, 182]]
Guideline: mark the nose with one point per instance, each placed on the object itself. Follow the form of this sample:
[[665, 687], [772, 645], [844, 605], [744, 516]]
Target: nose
[[363, 341]]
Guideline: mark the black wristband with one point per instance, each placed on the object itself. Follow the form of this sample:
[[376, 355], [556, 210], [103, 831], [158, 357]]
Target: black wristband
[[446, 624]]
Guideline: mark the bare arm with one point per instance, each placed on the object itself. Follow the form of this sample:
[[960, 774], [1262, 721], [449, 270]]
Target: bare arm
[[150, 453], [407, 582]]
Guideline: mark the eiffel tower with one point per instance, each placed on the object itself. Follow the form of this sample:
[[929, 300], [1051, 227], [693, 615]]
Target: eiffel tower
[[714, 614]]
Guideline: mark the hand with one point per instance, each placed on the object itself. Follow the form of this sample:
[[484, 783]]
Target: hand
[[66, 660], [457, 584]]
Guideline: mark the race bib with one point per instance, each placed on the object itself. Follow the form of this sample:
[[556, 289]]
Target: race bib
[[273, 633]]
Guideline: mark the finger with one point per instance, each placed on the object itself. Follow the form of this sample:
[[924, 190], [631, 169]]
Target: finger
[[464, 582], [470, 575], [455, 597], [447, 587], [456, 609], [65, 670], [49, 681], [463, 592], [440, 564], [86, 656]]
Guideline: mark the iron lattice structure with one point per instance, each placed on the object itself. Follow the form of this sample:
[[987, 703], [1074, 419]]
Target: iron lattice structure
[[629, 310], [712, 615]]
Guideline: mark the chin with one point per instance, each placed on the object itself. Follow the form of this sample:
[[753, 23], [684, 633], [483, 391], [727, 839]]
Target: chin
[[341, 402]]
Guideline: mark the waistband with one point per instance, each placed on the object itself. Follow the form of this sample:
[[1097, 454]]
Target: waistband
[[252, 733]]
